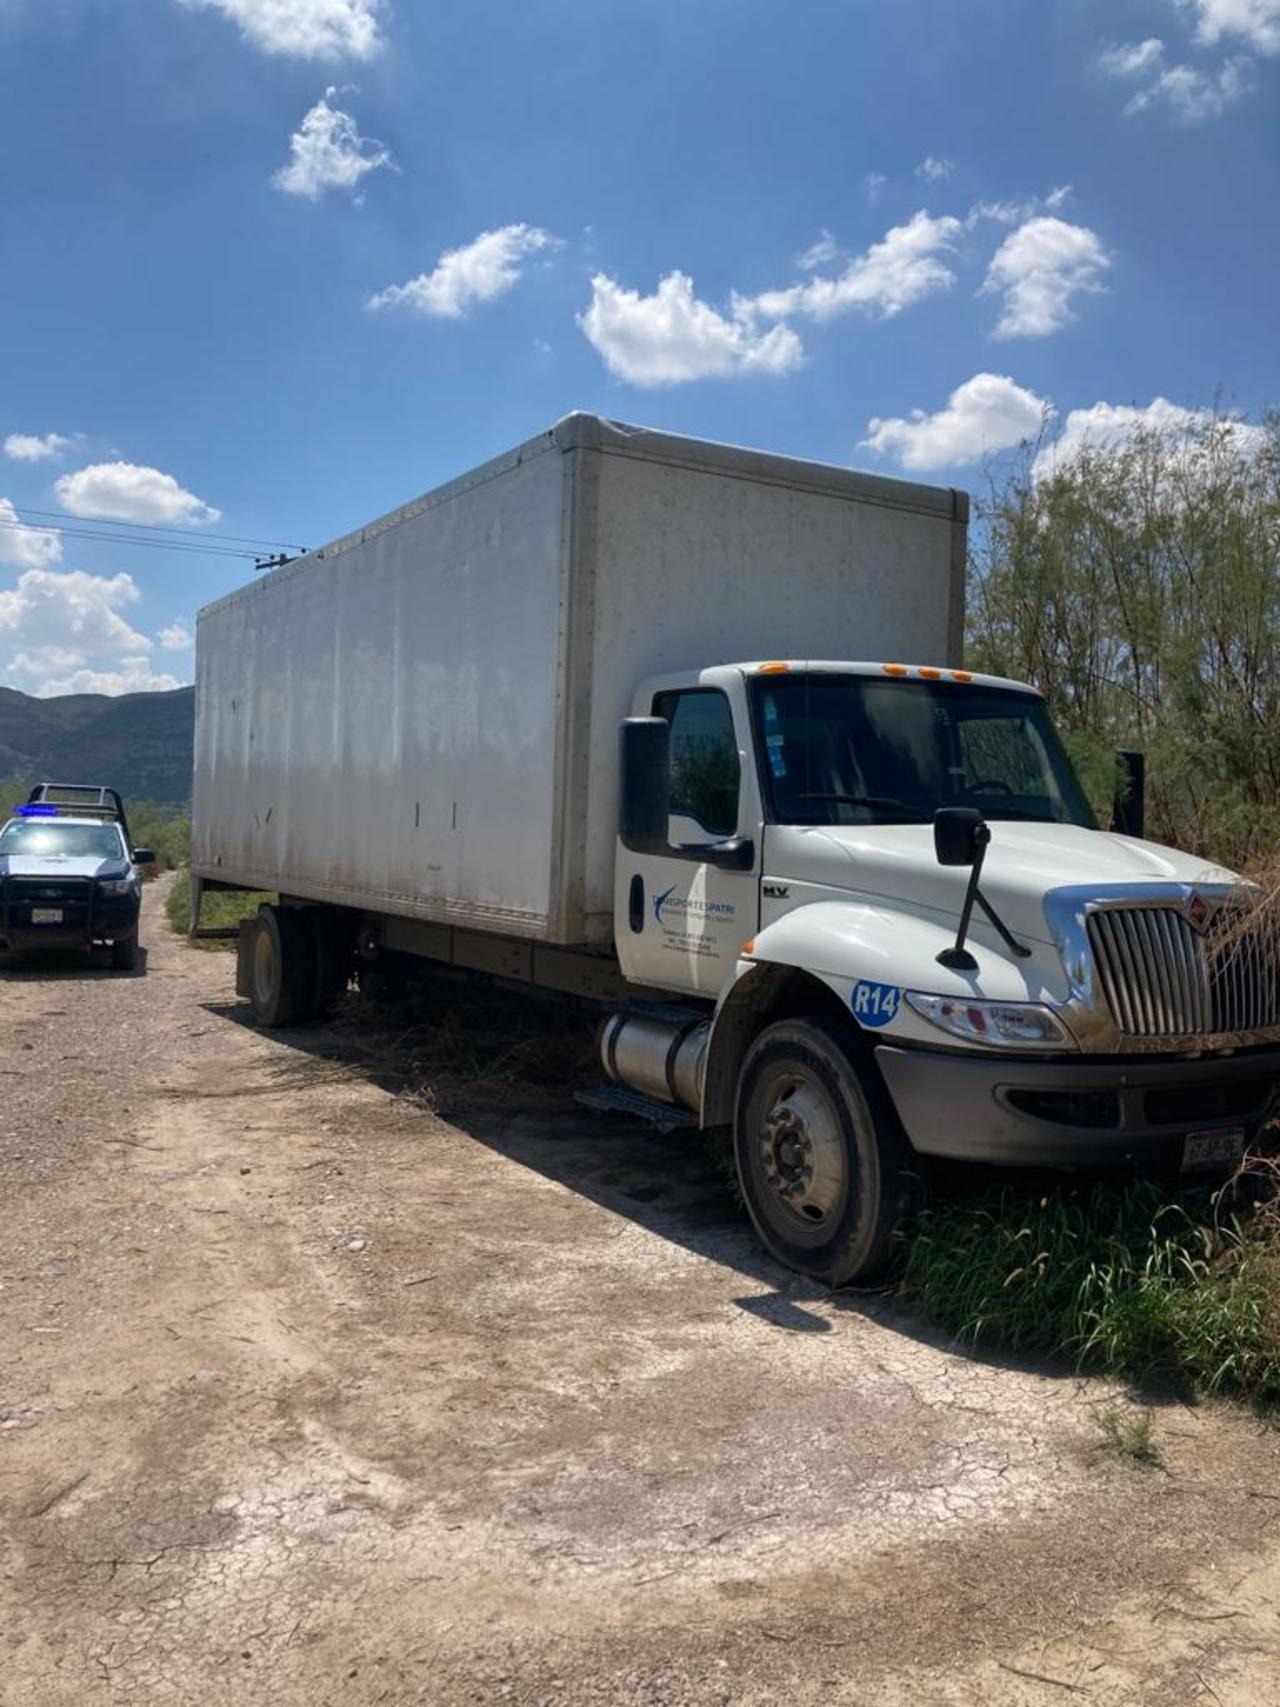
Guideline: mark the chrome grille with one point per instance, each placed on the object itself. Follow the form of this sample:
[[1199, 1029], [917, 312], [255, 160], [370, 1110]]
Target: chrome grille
[[1163, 978]]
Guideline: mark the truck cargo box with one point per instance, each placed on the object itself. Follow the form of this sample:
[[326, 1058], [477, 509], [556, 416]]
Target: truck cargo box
[[422, 718]]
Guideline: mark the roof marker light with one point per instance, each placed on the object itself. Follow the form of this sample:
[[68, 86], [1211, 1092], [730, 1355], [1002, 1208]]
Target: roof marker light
[[894, 669], [774, 669], [929, 673], [962, 675]]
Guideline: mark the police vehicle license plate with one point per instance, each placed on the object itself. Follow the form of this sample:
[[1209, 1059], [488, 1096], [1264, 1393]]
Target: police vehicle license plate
[[1215, 1149], [46, 915]]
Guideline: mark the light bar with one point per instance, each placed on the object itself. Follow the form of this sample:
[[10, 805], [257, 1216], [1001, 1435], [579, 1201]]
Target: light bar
[[35, 811]]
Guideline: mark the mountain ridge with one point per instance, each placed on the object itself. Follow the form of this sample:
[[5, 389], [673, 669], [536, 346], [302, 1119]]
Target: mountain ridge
[[140, 743]]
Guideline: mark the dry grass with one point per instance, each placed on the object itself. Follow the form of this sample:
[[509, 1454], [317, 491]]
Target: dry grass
[[449, 1044]]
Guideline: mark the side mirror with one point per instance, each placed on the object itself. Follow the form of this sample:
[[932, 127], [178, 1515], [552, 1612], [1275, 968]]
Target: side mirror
[[143, 856], [960, 835], [645, 764], [1129, 809]]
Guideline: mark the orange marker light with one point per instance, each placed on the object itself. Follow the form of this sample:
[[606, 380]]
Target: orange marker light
[[929, 673], [774, 669], [894, 669], [962, 675], [749, 946]]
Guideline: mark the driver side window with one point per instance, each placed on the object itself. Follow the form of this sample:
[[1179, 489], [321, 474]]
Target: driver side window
[[705, 769]]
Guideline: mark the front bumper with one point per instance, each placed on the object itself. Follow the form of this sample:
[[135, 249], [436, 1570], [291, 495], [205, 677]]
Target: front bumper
[[1068, 1114], [87, 917]]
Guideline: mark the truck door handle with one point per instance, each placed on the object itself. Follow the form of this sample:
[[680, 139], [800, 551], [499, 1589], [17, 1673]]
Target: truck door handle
[[635, 904]]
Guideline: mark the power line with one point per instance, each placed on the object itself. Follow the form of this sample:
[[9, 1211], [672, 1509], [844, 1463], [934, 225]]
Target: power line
[[160, 527], [134, 544]]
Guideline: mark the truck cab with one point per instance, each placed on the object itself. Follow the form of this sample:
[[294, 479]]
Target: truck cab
[[914, 940], [70, 877]]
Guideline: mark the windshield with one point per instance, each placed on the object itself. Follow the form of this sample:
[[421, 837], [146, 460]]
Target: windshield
[[47, 839], [846, 749]]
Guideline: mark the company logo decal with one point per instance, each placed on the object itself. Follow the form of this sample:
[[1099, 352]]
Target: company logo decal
[[1199, 910], [687, 907], [874, 1005]]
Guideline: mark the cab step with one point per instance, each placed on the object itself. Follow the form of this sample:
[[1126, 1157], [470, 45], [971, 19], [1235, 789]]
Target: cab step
[[616, 1099]]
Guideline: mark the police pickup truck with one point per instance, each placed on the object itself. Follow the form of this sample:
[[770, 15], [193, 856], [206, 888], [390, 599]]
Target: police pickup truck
[[69, 876]]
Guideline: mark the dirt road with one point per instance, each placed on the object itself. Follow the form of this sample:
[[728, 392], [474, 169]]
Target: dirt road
[[308, 1396]]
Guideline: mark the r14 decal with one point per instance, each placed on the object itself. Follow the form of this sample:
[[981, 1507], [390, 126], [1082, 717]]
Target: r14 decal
[[875, 1005]]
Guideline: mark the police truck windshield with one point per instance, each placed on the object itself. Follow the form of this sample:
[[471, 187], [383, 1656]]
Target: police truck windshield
[[850, 749], [48, 838]]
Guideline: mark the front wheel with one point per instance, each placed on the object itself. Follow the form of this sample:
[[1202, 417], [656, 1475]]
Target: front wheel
[[823, 1165], [124, 953]]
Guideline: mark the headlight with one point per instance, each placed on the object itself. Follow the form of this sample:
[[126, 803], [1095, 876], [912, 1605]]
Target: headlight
[[1007, 1025], [116, 886]]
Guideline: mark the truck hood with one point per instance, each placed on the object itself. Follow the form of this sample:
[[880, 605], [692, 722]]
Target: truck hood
[[50, 866], [896, 864]]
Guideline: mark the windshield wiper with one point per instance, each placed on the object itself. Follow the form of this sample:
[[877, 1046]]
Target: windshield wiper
[[875, 803]]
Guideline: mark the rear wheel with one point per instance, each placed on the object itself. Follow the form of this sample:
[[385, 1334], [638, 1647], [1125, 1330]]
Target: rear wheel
[[823, 1165], [282, 967]]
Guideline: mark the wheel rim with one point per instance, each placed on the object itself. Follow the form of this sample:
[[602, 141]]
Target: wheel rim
[[801, 1153], [264, 967]]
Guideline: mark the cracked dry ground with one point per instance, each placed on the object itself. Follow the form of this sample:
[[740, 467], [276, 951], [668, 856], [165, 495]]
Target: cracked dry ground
[[308, 1396]]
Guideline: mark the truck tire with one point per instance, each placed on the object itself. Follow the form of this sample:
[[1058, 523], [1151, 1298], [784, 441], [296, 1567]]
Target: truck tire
[[823, 1166], [124, 952], [282, 970]]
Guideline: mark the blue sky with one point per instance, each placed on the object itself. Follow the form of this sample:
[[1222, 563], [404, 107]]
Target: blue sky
[[271, 267]]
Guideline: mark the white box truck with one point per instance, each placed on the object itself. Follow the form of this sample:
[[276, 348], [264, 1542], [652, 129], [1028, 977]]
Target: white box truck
[[591, 718]]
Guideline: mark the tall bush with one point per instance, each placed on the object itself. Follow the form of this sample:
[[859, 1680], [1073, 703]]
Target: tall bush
[[1137, 583]]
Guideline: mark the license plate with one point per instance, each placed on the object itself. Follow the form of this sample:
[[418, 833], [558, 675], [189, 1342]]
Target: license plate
[[1219, 1148], [46, 915]]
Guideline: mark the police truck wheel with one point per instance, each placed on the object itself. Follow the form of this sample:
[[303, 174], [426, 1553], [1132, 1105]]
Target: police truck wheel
[[823, 1166], [124, 953], [282, 969]]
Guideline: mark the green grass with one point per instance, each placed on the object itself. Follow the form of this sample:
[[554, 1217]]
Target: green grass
[[221, 908], [1179, 1286], [1130, 1433], [166, 830]]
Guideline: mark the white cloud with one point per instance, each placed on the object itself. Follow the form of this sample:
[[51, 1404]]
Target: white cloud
[[819, 254], [1194, 95], [477, 272], [1017, 211], [69, 633], [175, 638], [1132, 58], [1256, 22], [306, 29], [327, 152], [874, 184], [934, 168], [899, 270], [124, 492], [1107, 426], [71, 609], [26, 547], [1189, 92], [987, 413], [1038, 269], [671, 336], [34, 447], [54, 672]]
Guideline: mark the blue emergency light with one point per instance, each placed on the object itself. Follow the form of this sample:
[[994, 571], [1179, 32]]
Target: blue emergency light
[[35, 811]]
